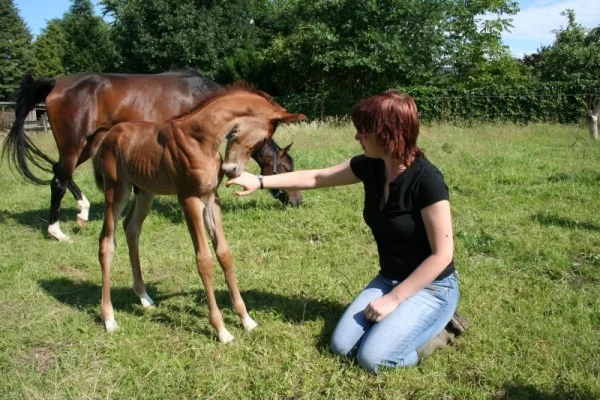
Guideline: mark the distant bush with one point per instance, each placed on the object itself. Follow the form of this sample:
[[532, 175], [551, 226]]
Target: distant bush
[[562, 102]]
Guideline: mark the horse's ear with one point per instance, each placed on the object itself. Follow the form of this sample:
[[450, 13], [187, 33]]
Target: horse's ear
[[286, 118], [286, 149]]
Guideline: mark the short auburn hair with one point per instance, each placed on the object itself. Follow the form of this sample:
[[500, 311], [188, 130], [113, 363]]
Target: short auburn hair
[[394, 120]]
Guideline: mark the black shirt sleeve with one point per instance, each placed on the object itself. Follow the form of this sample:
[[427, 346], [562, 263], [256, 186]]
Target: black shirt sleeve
[[360, 166], [431, 189]]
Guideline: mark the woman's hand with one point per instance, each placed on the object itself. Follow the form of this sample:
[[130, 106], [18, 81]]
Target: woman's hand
[[249, 182], [379, 309]]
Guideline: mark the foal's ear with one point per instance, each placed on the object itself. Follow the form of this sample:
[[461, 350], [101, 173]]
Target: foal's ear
[[286, 118]]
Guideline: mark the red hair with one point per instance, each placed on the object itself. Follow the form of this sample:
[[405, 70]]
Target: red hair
[[394, 120]]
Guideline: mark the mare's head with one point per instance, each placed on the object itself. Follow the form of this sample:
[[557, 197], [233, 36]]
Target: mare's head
[[274, 160], [256, 117]]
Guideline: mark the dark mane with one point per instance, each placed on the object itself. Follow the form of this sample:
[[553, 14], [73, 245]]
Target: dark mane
[[217, 93]]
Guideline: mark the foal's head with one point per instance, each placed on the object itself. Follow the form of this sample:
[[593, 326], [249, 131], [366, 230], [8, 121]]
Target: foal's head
[[253, 129]]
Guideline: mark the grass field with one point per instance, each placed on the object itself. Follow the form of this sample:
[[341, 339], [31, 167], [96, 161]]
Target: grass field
[[526, 209]]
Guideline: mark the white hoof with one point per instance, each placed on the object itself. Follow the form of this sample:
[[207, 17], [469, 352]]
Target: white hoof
[[110, 325], [225, 336], [249, 323], [55, 232], [147, 302]]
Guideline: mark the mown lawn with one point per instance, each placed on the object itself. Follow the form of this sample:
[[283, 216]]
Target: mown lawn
[[527, 228]]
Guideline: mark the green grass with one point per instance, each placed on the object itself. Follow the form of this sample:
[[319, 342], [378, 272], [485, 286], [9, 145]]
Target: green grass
[[527, 227]]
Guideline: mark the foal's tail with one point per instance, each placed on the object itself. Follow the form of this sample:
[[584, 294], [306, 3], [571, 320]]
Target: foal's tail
[[19, 146], [98, 177]]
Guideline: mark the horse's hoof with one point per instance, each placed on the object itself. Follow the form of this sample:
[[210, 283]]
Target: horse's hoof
[[110, 325], [147, 302], [225, 337], [55, 233], [249, 324], [81, 222]]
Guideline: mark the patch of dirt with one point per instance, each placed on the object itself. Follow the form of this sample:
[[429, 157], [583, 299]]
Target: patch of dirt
[[41, 358]]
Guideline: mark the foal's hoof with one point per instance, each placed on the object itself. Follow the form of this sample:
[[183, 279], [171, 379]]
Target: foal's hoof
[[81, 222], [147, 302], [110, 325], [225, 337], [249, 324]]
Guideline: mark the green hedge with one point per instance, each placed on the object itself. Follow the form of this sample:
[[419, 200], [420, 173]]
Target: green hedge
[[562, 102]]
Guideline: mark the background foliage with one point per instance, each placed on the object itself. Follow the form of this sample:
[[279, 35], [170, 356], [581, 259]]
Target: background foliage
[[320, 56]]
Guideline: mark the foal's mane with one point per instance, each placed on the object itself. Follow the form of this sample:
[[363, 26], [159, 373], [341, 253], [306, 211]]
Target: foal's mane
[[216, 94]]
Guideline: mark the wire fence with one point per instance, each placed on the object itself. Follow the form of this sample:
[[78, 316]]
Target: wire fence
[[556, 107]]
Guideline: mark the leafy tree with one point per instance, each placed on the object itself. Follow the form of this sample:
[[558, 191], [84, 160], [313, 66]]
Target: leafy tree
[[575, 53], [15, 41], [48, 50], [216, 37], [353, 47], [87, 42]]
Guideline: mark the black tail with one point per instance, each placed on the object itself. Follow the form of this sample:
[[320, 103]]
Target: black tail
[[19, 146]]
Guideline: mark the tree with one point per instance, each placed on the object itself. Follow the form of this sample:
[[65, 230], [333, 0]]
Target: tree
[[354, 47], [15, 56], [87, 41], [158, 35], [49, 50], [574, 54]]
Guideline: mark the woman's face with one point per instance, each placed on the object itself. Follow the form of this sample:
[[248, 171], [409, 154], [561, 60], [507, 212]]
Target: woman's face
[[369, 144]]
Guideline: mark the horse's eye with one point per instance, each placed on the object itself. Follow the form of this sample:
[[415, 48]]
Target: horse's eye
[[232, 134]]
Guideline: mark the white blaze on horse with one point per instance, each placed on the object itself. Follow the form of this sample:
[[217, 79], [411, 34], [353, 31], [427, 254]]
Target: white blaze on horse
[[181, 157]]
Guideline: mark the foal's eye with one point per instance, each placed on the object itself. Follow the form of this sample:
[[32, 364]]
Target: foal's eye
[[232, 134]]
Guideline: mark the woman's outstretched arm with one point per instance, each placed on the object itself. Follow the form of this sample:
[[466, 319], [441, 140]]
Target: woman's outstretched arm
[[337, 175]]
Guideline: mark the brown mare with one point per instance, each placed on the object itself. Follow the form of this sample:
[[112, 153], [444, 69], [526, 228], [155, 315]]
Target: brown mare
[[181, 157], [82, 105]]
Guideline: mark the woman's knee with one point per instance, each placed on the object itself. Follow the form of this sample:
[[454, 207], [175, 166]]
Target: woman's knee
[[373, 361], [340, 346]]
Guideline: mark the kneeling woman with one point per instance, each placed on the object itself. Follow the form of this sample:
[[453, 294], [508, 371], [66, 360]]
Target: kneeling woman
[[401, 315]]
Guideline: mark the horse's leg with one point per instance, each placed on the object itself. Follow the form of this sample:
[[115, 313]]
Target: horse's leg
[[133, 227], [63, 171], [193, 210], [115, 196], [214, 225], [83, 203]]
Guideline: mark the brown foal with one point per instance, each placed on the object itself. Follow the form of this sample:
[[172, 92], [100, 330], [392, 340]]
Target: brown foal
[[181, 157]]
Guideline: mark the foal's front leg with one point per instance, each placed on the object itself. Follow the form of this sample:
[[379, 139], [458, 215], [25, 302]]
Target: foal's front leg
[[115, 198], [214, 225], [193, 210]]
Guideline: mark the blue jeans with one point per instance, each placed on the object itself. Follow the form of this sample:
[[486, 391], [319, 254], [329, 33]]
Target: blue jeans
[[393, 341]]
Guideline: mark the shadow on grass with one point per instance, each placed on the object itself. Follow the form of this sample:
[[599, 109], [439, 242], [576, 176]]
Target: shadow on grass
[[85, 296], [528, 392], [167, 208], [554, 220]]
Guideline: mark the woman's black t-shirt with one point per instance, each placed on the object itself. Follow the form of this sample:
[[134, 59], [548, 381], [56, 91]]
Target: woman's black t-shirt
[[398, 227]]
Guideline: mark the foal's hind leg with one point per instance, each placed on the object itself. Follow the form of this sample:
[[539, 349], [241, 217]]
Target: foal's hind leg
[[214, 225], [133, 228], [193, 209], [115, 199]]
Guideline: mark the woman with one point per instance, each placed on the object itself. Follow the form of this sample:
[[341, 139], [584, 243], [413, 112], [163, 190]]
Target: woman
[[400, 316]]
